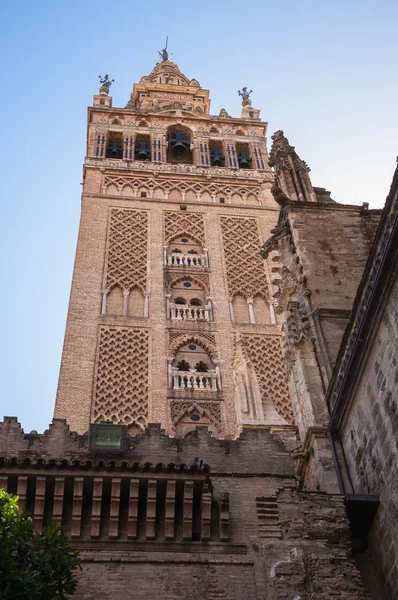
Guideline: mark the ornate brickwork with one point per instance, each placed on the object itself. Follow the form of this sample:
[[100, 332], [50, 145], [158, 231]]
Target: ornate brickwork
[[127, 250], [210, 409], [266, 355], [245, 268], [206, 340], [172, 278], [179, 223], [121, 387]]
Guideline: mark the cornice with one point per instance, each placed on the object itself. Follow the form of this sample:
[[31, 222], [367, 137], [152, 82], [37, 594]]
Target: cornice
[[166, 168]]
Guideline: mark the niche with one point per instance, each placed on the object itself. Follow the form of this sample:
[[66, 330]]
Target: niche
[[114, 302], [261, 310], [136, 303], [241, 309]]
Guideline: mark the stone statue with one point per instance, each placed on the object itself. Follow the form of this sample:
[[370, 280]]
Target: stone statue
[[164, 55], [245, 96]]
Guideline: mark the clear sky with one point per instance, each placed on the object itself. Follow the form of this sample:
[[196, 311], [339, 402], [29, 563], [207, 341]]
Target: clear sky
[[324, 72]]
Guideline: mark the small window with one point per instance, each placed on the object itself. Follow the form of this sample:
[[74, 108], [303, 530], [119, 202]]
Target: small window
[[187, 284], [192, 347], [222, 200], [183, 207], [195, 417], [180, 301], [184, 240], [143, 194]]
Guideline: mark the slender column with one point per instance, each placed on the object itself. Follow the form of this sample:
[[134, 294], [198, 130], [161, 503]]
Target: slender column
[[58, 500], [115, 508], [146, 306], [21, 491], [96, 507], [103, 306], [187, 510], [206, 513], [218, 378], [126, 294], [251, 311], [77, 507], [170, 510], [213, 380], [133, 509], [272, 314], [151, 510], [206, 257], [38, 512], [231, 311]]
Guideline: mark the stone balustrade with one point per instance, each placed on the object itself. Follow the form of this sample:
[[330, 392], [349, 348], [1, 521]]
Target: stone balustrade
[[186, 260], [195, 380], [180, 312]]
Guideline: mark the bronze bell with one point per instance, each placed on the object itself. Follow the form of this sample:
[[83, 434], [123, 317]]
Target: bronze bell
[[179, 147], [217, 159], [179, 150], [142, 152], [244, 161]]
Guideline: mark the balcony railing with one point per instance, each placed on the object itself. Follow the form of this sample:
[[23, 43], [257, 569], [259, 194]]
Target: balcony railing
[[189, 313], [186, 260], [194, 380]]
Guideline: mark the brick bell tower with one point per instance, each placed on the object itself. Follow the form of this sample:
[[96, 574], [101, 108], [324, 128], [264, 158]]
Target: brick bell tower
[[171, 315], [185, 486]]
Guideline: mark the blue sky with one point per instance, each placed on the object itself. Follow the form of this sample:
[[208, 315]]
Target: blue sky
[[325, 73]]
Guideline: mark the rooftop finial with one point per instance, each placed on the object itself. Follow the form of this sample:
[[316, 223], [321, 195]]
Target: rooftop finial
[[105, 80], [245, 96], [164, 55]]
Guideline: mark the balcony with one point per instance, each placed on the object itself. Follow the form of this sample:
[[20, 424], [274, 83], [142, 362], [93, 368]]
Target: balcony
[[195, 380], [175, 259], [179, 312]]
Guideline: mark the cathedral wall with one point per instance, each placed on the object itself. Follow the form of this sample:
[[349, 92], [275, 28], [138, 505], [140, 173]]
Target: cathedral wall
[[370, 442], [332, 243]]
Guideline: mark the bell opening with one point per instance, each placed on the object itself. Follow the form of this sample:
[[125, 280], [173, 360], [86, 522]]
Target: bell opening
[[244, 155], [114, 148], [217, 155], [142, 148], [179, 145]]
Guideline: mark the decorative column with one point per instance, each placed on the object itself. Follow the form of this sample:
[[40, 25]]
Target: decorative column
[[126, 294], [251, 311]]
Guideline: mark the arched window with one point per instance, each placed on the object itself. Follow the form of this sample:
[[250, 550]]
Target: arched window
[[195, 302], [180, 301]]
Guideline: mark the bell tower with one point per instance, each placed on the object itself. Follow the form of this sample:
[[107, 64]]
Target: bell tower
[[171, 316]]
